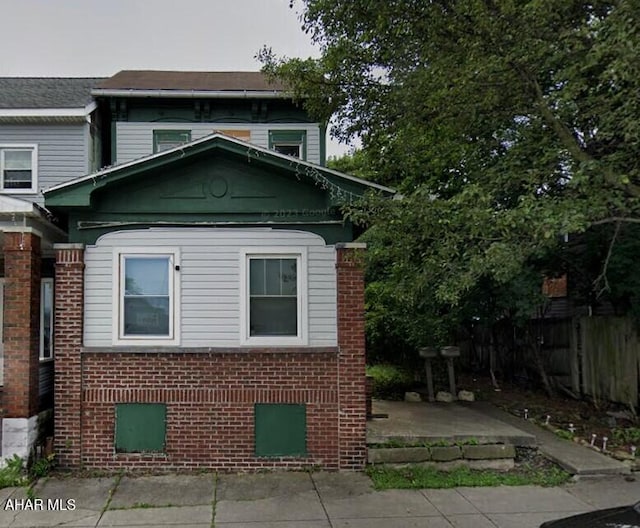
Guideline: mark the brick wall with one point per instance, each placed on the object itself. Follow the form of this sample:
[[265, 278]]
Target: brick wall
[[69, 298], [351, 342], [21, 324], [210, 400]]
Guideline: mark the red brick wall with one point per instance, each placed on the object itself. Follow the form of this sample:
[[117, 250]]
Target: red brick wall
[[21, 324], [210, 399], [69, 298], [351, 342]]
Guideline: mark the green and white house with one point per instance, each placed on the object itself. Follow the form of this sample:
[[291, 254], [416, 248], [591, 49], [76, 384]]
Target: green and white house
[[209, 297]]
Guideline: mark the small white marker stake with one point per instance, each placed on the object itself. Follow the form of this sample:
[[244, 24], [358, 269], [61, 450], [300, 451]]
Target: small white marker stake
[[526, 414], [604, 443], [547, 419], [593, 439]]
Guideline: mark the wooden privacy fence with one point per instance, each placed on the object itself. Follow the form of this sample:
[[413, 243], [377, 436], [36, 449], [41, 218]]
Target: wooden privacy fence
[[596, 356], [608, 354]]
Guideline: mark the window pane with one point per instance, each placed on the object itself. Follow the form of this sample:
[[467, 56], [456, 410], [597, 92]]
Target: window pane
[[273, 316], [288, 150], [272, 272], [17, 179], [17, 159], [146, 316], [146, 276], [289, 277], [256, 276], [47, 313]]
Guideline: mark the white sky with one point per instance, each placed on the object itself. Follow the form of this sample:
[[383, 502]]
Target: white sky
[[95, 38]]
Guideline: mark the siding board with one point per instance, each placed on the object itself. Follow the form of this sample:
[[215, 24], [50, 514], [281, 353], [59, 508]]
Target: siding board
[[209, 281], [61, 153], [135, 139]]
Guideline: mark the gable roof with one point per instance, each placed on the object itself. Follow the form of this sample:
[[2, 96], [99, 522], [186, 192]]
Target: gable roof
[[46, 92], [134, 83], [337, 182]]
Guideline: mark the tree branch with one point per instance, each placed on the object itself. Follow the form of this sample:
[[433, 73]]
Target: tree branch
[[566, 136], [602, 278]]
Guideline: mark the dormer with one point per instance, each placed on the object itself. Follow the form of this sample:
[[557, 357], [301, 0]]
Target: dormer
[[152, 111]]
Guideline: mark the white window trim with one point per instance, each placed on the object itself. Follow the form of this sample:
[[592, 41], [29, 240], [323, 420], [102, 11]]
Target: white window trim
[[300, 254], [174, 296], [34, 167], [42, 285]]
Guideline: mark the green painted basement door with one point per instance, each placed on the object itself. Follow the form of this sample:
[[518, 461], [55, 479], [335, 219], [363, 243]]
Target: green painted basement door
[[140, 427], [280, 429]]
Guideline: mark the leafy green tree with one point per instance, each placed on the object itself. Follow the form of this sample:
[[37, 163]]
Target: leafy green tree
[[505, 125]]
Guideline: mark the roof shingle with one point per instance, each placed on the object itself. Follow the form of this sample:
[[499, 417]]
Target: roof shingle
[[189, 80], [46, 92]]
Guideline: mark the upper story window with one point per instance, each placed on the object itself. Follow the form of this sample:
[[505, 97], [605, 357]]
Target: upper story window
[[273, 303], [146, 297], [18, 168], [168, 139], [289, 142]]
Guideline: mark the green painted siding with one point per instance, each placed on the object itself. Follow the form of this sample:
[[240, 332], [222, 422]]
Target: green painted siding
[[140, 427], [280, 430]]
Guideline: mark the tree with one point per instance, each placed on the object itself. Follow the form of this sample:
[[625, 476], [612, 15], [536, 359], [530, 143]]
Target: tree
[[505, 125]]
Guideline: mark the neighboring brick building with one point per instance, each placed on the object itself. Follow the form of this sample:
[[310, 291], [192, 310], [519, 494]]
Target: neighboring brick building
[[209, 303]]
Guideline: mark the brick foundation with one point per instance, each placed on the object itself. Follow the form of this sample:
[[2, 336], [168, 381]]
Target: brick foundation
[[210, 396], [210, 400]]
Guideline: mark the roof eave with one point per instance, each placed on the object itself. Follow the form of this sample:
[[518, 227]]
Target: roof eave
[[191, 94]]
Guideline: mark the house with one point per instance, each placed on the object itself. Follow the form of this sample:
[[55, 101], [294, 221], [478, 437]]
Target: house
[[49, 133], [209, 298]]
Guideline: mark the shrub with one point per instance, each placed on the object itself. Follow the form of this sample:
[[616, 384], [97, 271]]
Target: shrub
[[389, 382], [12, 473]]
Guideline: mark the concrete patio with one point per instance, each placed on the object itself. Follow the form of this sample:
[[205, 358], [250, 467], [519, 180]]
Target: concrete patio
[[431, 423]]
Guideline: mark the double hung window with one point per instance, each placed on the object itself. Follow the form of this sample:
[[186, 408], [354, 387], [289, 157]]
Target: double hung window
[[147, 292], [273, 303], [18, 168]]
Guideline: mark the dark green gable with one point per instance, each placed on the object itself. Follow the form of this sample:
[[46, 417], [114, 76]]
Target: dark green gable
[[214, 181]]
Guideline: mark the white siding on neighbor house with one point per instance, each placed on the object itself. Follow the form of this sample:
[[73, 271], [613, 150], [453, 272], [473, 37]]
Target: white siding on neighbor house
[[209, 281], [63, 152], [135, 140]]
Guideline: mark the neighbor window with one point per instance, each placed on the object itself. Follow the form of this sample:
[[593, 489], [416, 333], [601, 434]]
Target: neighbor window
[[274, 303], [146, 296], [289, 142], [168, 139], [18, 167], [46, 319]]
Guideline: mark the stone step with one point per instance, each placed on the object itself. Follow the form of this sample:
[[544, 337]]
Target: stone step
[[451, 453]]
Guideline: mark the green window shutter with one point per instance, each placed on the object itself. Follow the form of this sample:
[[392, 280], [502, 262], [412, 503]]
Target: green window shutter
[[167, 139], [280, 430], [140, 427], [290, 142]]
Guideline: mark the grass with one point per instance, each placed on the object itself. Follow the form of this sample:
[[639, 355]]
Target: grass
[[419, 477]]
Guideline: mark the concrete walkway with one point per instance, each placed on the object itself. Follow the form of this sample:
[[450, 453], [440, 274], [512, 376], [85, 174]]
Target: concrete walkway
[[299, 500], [575, 458]]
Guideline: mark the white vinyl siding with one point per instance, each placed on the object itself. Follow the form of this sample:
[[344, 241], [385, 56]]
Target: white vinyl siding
[[63, 153], [135, 140], [209, 281]]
